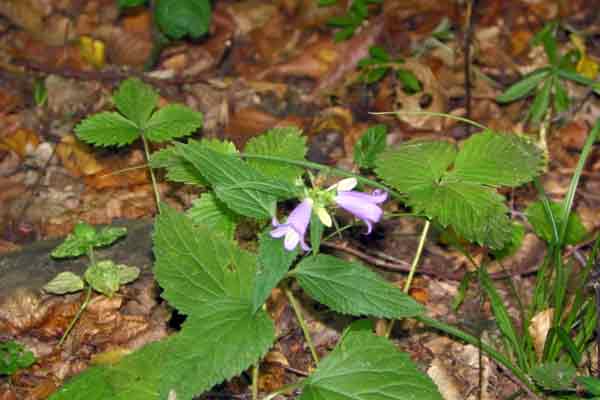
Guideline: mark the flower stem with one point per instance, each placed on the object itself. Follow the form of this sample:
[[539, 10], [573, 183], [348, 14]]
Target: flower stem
[[298, 312], [154, 184], [76, 318], [255, 371], [413, 268], [325, 168], [432, 114]]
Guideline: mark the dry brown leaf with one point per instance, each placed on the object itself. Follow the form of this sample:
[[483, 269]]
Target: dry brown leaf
[[538, 329], [444, 380], [123, 47], [77, 157], [22, 142]]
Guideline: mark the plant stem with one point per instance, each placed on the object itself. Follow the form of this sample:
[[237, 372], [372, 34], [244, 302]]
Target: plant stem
[[298, 312], [76, 318], [325, 168], [432, 114], [154, 184], [413, 268], [255, 371]]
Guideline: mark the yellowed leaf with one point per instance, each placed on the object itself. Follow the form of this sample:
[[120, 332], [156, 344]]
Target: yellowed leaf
[[538, 329], [77, 157], [92, 51], [586, 66], [22, 142]]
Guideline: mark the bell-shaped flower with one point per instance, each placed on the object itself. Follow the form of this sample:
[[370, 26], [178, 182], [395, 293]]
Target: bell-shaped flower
[[364, 206], [295, 227]]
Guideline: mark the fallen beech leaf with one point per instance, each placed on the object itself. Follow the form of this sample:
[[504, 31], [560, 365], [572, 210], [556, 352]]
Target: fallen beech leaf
[[538, 329], [77, 157], [22, 142]]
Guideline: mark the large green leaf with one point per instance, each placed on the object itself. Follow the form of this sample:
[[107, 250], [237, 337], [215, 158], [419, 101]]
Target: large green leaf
[[221, 339], [136, 100], [351, 288], [278, 142], [190, 261], [476, 213], [494, 159], [178, 18], [274, 261], [415, 165], [227, 175], [210, 211], [172, 121], [181, 170], [107, 129], [555, 376], [368, 367]]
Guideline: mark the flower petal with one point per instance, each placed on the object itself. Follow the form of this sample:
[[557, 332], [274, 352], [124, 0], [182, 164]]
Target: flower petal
[[280, 231], [324, 217], [291, 240], [346, 184]]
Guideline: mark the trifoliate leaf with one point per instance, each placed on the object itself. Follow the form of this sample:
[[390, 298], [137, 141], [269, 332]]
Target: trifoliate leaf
[[64, 282], [172, 121], [554, 376], [369, 146], [351, 288], [367, 367], [136, 100], [224, 172], [179, 169], [274, 261], [103, 277], [415, 165], [218, 341], [476, 213], [536, 215], [178, 18], [213, 213], [495, 159], [278, 142], [107, 129]]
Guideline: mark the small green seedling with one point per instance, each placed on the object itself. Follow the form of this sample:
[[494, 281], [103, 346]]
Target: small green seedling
[[138, 118], [547, 84], [379, 63], [357, 14], [13, 357], [105, 276], [40, 93]]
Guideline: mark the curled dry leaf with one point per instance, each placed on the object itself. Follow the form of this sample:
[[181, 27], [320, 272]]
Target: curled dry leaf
[[538, 329]]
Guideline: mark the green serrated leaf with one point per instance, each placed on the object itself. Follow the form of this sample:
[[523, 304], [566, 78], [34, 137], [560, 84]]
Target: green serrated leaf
[[220, 340], [127, 274], [285, 142], [136, 101], [213, 213], [178, 18], [554, 376], [103, 277], [130, 3], [180, 170], [540, 104], [350, 288], [107, 129], [494, 159], [316, 232], [108, 236], [191, 262], [172, 121], [476, 213], [370, 145], [415, 165], [542, 227], [410, 82], [379, 53], [64, 282], [226, 173], [523, 87], [84, 232], [374, 75], [240, 274], [274, 261], [591, 384], [71, 247], [365, 367], [513, 245]]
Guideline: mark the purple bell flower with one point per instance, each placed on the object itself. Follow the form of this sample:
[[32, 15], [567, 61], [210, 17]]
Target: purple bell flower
[[295, 227], [364, 206]]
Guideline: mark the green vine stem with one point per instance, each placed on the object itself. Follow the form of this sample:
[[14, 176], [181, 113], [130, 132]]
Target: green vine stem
[[432, 114], [298, 312], [86, 301], [413, 268], [152, 176]]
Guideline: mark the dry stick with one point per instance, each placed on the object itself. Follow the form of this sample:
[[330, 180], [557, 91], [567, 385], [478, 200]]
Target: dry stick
[[413, 268], [467, 54], [255, 371]]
